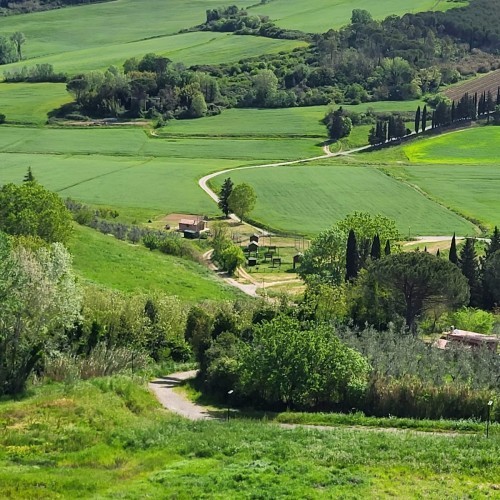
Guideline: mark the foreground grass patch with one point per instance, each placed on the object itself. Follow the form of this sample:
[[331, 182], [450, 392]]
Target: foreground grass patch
[[112, 263], [107, 438]]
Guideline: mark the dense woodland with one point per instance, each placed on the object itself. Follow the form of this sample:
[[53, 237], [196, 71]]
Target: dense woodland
[[399, 58]]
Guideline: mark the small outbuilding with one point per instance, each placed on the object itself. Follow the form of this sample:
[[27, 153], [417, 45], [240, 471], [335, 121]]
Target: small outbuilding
[[467, 339], [254, 238], [253, 246], [195, 226]]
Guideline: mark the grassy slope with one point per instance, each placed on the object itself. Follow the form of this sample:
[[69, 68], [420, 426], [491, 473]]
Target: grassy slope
[[106, 261], [319, 16], [188, 48], [311, 198], [106, 438], [29, 103], [100, 25]]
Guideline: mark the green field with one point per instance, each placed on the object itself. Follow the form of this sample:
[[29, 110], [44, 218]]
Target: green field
[[308, 199], [318, 16], [104, 24], [477, 146], [106, 261], [107, 438], [303, 122], [29, 103], [188, 48]]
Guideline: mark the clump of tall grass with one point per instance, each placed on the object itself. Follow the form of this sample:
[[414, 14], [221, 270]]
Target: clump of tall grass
[[102, 361]]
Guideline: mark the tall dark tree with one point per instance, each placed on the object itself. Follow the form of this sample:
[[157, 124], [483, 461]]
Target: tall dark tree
[[453, 256], [494, 244], [387, 249], [225, 192], [469, 265], [352, 257], [417, 282], [438, 253], [376, 251], [424, 118], [417, 120], [29, 177]]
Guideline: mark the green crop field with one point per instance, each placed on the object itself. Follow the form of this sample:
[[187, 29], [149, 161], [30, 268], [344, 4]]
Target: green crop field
[[304, 122], [29, 103], [103, 24], [107, 438], [106, 261], [188, 48], [308, 199], [318, 16], [477, 146]]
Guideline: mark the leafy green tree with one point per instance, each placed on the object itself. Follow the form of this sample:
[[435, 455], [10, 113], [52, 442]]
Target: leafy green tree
[[418, 281], [232, 257], [265, 84], [324, 261], [198, 331], [473, 320], [30, 209], [225, 192], [338, 124], [242, 199], [198, 106], [352, 258], [453, 256], [301, 368], [18, 39], [39, 299]]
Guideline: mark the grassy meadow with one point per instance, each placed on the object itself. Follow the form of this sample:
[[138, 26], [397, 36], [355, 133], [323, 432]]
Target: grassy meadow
[[104, 260], [30, 103], [307, 199], [107, 438], [319, 16], [104, 24], [188, 48]]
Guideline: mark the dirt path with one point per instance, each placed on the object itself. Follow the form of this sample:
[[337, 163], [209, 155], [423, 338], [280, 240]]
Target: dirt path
[[163, 389]]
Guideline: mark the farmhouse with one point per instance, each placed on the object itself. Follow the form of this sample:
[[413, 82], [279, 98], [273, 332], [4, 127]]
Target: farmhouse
[[467, 339], [192, 227]]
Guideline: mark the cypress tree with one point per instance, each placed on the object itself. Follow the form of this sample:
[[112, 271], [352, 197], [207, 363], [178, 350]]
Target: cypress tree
[[433, 121], [225, 192], [387, 249], [498, 96], [453, 257], [376, 251], [417, 120], [438, 253], [494, 245], [29, 177], [352, 257], [453, 112], [425, 249], [424, 118], [469, 266]]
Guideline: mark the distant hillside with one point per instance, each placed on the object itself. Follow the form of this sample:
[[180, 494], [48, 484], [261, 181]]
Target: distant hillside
[[8, 7]]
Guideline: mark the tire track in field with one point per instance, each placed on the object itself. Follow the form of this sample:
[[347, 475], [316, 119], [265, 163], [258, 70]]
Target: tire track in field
[[79, 183]]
